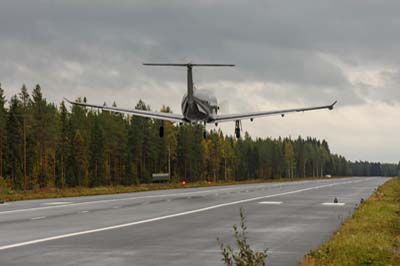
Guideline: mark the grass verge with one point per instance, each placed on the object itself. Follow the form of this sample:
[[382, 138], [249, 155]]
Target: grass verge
[[7, 194], [370, 237]]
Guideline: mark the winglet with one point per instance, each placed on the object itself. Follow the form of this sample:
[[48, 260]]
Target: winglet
[[332, 105]]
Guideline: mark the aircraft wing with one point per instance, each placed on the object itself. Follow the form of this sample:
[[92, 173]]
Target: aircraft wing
[[143, 113], [234, 117]]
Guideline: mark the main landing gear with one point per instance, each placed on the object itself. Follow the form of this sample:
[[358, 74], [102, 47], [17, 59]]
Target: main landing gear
[[204, 131], [161, 129], [238, 126]]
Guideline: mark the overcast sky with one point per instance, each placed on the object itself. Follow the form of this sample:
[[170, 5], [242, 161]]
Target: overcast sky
[[287, 54]]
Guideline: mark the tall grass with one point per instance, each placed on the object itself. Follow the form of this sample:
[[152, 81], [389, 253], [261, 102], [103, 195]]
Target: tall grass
[[370, 237]]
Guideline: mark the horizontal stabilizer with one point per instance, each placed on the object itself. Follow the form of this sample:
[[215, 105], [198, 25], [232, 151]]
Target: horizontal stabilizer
[[189, 65]]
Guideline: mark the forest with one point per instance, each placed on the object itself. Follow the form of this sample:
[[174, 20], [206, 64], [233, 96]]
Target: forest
[[43, 144]]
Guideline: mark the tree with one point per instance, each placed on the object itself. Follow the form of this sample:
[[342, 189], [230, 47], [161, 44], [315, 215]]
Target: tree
[[62, 146], [42, 145], [289, 158], [96, 165], [81, 164], [14, 144], [41, 136], [26, 103], [3, 119]]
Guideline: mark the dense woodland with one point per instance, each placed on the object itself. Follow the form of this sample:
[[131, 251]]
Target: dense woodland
[[43, 144]]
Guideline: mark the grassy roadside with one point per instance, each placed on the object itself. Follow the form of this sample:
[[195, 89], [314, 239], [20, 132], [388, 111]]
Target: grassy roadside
[[7, 194], [370, 237]]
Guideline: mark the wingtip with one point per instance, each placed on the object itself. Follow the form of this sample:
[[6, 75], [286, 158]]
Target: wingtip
[[332, 105]]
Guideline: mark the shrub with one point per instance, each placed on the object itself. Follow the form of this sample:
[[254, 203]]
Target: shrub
[[245, 256]]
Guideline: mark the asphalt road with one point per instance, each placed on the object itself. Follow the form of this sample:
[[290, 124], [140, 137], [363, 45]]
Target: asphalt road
[[177, 227]]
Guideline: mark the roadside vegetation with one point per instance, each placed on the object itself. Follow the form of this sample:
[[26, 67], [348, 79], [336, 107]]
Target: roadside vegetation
[[371, 237], [244, 255]]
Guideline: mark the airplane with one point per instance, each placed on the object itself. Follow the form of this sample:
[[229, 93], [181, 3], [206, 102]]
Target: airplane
[[199, 106]]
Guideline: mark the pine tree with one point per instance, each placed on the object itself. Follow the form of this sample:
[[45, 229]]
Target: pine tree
[[62, 147], [289, 158], [26, 104], [96, 165], [81, 164], [3, 119], [41, 135], [14, 144]]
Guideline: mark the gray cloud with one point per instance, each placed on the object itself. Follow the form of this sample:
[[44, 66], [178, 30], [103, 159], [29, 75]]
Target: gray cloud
[[287, 52]]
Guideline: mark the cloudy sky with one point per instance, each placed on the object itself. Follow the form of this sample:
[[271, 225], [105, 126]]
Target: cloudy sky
[[287, 54]]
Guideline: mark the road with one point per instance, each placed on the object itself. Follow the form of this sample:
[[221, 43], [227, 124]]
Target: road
[[179, 226]]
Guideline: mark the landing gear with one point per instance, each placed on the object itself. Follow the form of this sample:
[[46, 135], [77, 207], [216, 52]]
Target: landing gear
[[204, 131], [161, 130], [237, 128]]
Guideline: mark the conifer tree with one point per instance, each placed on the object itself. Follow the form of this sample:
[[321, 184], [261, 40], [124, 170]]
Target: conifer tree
[[14, 145], [3, 119]]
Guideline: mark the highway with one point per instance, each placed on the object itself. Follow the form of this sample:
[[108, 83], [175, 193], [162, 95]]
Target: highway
[[179, 226]]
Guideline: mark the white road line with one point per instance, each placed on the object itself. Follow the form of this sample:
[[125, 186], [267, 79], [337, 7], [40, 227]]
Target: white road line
[[46, 239], [113, 200], [133, 198], [84, 212], [270, 202], [333, 204], [57, 203], [38, 218]]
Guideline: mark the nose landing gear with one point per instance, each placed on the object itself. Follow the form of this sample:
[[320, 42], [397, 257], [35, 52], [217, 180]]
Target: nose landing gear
[[238, 126]]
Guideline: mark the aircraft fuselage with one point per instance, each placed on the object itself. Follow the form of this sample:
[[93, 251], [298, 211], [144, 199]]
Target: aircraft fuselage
[[201, 107]]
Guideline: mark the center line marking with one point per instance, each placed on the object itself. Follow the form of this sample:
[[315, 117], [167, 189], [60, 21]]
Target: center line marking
[[38, 218], [46, 239], [270, 202], [125, 199], [84, 212], [333, 204], [57, 203]]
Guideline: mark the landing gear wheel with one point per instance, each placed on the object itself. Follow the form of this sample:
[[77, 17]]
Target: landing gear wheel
[[237, 128], [161, 131], [204, 131], [237, 133]]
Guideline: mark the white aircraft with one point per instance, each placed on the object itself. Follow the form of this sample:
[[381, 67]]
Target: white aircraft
[[199, 106]]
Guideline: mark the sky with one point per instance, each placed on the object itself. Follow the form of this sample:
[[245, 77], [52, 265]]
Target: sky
[[287, 53]]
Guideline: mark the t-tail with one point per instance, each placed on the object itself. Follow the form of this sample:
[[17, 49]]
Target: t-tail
[[190, 90]]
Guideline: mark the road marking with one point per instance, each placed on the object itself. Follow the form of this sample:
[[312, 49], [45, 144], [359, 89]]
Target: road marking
[[142, 197], [46, 239], [57, 203], [121, 199], [333, 204], [84, 212], [116, 207], [38, 218], [270, 202]]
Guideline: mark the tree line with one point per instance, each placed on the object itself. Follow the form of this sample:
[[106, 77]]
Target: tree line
[[42, 145]]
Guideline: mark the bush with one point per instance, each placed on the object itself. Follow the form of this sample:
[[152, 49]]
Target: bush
[[245, 256], [5, 189]]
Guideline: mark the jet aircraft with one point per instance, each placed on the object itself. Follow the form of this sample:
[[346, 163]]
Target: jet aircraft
[[199, 106]]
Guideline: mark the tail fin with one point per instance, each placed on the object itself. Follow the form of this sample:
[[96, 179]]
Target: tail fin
[[189, 73]]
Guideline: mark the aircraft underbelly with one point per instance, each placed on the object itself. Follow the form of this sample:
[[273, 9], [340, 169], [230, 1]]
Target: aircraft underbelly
[[198, 111]]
